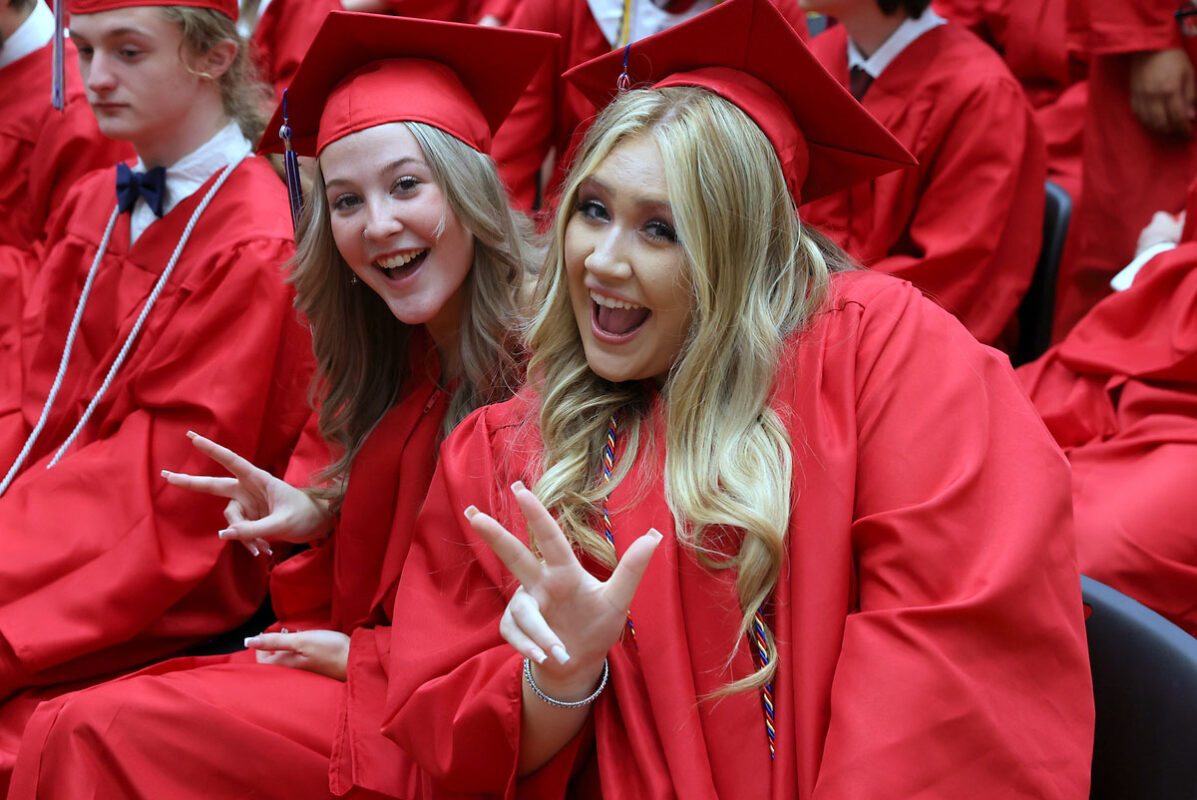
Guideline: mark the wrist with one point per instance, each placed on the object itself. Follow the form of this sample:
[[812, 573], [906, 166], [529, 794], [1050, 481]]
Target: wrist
[[567, 684], [566, 697]]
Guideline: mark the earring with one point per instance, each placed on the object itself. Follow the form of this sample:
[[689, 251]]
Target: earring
[[353, 279]]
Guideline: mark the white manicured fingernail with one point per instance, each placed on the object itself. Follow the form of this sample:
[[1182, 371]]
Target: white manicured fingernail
[[471, 512], [518, 486], [165, 473], [538, 655], [192, 434], [559, 653], [655, 533], [225, 533], [248, 639]]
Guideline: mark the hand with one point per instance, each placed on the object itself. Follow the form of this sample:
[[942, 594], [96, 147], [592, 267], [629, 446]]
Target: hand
[[323, 652], [1163, 228], [1163, 91], [491, 21], [261, 507], [559, 607]]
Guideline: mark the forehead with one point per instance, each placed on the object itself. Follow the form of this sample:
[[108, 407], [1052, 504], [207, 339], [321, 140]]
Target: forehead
[[145, 21], [370, 150], [634, 166]]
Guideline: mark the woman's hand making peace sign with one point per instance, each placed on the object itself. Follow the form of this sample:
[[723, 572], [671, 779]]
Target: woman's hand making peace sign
[[561, 617], [262, 508]]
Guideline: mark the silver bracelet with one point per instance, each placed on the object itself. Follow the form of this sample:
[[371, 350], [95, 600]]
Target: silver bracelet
[[553, 701]]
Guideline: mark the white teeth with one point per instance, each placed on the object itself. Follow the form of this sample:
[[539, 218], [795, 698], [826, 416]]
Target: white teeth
[[610, 302], [398, 261]]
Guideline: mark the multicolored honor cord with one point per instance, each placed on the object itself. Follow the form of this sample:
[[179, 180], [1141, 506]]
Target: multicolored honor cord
[[758, 621]]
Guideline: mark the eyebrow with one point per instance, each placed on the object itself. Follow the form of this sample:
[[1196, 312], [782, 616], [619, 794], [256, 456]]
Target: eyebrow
[[114, 33], [394, 165], [642, 201]]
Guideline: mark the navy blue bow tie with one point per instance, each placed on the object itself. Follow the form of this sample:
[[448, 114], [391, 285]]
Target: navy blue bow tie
[[150, 184]]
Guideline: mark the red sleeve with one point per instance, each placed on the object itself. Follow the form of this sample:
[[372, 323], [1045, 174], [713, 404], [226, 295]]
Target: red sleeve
[[976, 228], [963, 671], [454, 702], [1105, 27], [129, 548], [524, 140]]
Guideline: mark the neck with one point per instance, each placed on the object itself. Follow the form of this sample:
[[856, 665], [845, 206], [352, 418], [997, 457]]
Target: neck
[[12, 18], [869, 27], [164, 148], [445, 330]]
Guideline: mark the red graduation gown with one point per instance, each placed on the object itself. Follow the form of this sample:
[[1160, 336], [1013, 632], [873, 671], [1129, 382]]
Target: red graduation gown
[[549, 112], [288, 722], [1130, 172], [928, 613], [283, 35], [1120, 396], [965, 225], [106, 566], [1032, 36], [43, 152]]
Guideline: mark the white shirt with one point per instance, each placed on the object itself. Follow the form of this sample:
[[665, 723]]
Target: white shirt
[[1123, 280], [899, 40], [32, 35], [646, 20], [189, 173]]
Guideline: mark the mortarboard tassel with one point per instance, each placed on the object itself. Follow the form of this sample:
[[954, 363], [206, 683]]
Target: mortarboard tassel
[[58, 81], [625, 81], [291, 167]]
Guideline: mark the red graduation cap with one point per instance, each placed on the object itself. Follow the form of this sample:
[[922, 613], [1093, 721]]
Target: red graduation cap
[[746, 52], [364, 70], [226, 7]]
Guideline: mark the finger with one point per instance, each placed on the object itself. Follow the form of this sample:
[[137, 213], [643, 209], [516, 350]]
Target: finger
[[525, 614], [258, 531], [1176, 111], [234, 463], [291, 642], [510, 550], [523, 644], [621, 586], [551, 542], [221, 487]]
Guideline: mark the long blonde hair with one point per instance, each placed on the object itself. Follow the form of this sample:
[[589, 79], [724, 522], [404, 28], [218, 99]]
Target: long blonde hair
[[755, 278], [362, 349]]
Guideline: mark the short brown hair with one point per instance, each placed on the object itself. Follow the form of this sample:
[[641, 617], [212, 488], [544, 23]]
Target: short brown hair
[[912, 8]]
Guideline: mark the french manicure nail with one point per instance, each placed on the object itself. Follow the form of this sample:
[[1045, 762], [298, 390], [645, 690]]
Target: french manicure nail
[[517, 486], [248, 639], [538, 655], [471, 512], [165, 473], [192, 434], [225, 533], [656, 534], [559, 654]]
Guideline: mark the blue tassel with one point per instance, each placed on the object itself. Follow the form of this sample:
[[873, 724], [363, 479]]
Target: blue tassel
[[291, 167], [58, 81]]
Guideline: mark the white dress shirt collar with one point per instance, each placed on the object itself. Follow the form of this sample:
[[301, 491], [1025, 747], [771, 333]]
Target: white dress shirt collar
[[30, 36], [899, 40], [190, 172]]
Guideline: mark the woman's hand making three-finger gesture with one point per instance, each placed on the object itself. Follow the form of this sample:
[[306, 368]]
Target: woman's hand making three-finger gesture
[[561, 617], [261, 507]]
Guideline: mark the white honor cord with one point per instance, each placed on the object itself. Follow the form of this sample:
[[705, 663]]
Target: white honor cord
[[128, 345]]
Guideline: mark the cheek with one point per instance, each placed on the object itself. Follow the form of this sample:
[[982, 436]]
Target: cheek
[[347, 239]]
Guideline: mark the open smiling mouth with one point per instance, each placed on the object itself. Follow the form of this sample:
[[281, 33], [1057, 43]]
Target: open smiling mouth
[[615, 319], [400, 266]]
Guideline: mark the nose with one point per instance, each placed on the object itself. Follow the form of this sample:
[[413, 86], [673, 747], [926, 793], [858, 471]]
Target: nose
[[609, 257], [98, 76], [381, 221]]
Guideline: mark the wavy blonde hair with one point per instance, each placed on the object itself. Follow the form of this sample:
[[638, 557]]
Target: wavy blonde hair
[[755, 278], [361, 348], [243, 96]]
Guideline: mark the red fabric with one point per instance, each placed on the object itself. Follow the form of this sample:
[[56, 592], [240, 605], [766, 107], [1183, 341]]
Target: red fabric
[[291, 721], [1130, 172], [282, 37], [546, 117], [106, 566], [1032, 36], [928, 612], [43, 152], [966, 224], [1120, 396]]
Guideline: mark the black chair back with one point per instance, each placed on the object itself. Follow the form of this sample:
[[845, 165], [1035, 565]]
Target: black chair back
[[1037, 309], [1145, 689]]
